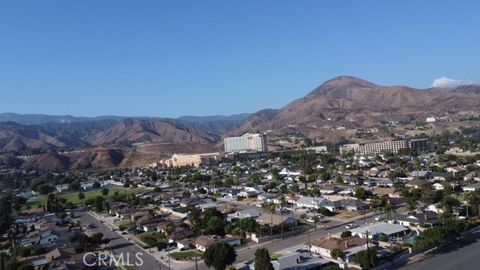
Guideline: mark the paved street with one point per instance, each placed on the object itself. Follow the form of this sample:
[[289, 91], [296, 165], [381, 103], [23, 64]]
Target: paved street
[[292, 243], [120, 245], [459, 256]]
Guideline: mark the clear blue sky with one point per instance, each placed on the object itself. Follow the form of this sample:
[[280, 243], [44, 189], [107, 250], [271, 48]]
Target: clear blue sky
[[172, 58]]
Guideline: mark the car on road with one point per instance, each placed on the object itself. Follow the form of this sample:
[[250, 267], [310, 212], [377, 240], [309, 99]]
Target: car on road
[[351, 226], [91, 226], [378, 218], [312, 219], [169, 248]]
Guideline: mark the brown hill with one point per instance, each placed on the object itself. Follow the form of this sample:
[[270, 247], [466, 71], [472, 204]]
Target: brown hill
[[152, 131], [356, 103], [49, 161], [20, 138], [101, 144]]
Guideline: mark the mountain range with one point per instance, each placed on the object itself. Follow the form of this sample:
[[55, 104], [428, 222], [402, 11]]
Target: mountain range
[[115, 141]]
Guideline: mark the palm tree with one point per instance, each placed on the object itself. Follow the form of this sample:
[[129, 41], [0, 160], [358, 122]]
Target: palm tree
[[283, 202], [169, 230], [195, 226], [388, 209], [417, 166], [473, 199], [270, 208], [412, 204], [316, 219]]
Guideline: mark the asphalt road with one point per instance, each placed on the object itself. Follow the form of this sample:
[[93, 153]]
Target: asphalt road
[[333, 227], [120, 245], [463, 255]]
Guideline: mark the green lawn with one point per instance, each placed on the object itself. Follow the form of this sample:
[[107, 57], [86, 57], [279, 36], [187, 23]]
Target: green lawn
[[153, 239], [186, 255], [275, 256], [125, 224], [73, 196]]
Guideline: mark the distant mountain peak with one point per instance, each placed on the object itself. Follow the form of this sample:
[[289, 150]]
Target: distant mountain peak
[[343, 82], [348, 80]]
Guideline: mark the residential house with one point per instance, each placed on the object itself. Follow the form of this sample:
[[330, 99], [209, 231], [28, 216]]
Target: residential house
[[390, 192], [204, 241], [252, 212], [328, 189], [354, 205], [425, 218], [421, 174], [415, 183], [471, 188], [375, 230], [276, 220], [302, 261], [61, 188], [311, 202], [349, 246]]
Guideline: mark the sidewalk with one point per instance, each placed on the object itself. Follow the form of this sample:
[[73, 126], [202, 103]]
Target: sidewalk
[[160, 256]]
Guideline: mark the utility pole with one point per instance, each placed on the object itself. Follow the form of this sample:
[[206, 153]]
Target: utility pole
[[281, 215], [169, 259], [308, 235], [368, 251], [196, 261]]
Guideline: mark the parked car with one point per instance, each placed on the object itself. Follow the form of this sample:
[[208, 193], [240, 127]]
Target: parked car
[[351, 225]]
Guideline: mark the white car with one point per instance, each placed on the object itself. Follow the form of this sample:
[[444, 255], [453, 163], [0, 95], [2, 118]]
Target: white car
[[378, 218], [351, 225]]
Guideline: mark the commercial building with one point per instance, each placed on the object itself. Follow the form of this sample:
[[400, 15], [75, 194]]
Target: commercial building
[[421, 145], [372, 148], [195, 160], [247, 143]]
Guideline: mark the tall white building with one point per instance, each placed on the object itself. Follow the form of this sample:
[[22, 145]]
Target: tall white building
[[374, 147], [247, 143]]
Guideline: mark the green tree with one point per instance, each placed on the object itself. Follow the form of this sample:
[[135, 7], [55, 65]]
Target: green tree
[[388, 209], [262, 259], [270, 208], [81, 195], [249, 225], [366, 259], [2, 261], [324, 211], [219, 256], [99, 204], [74, 186], [215, 226], [336, 253], [105, 191], [26, 267], [360, 193], [346, 234], [96, 185], [5, 214]]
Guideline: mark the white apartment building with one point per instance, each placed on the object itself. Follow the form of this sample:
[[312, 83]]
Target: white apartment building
[[247, 143], [374, 147]]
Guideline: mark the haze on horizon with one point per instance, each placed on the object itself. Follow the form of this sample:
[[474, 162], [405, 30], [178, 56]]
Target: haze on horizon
[[167, 59]]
